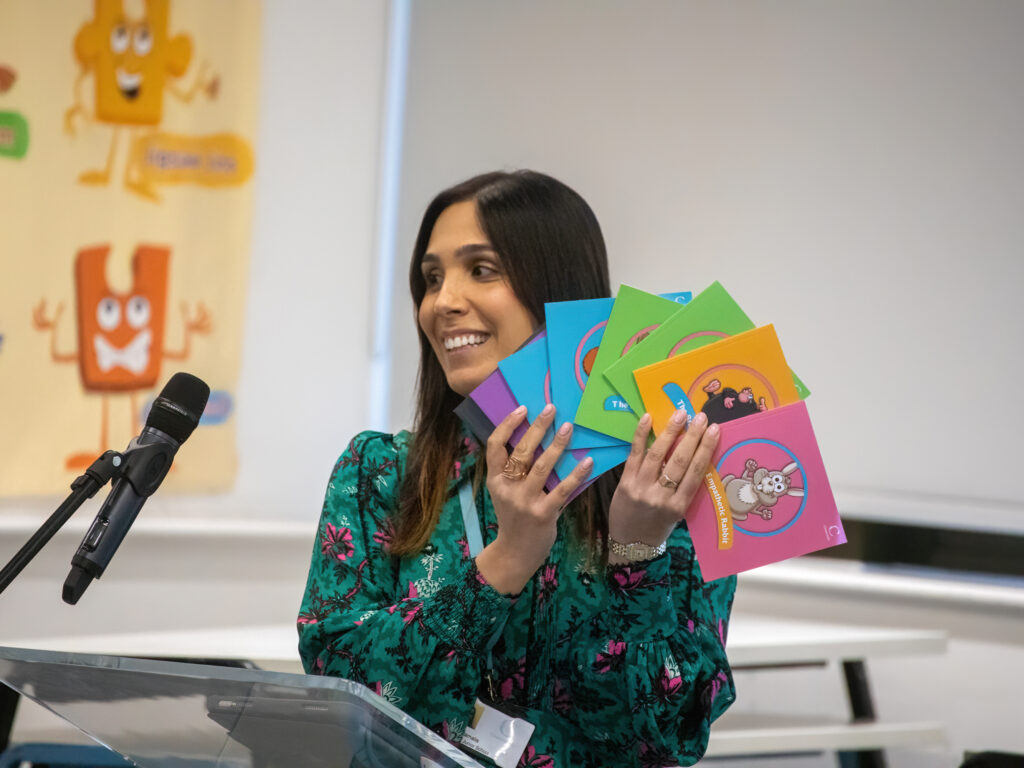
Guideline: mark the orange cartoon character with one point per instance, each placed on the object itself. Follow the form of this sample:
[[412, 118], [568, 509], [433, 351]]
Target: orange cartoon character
[[120, 336], [133, 58]]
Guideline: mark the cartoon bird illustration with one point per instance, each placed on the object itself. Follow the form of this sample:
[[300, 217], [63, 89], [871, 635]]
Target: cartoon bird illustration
[[120, 335], [134, 60]]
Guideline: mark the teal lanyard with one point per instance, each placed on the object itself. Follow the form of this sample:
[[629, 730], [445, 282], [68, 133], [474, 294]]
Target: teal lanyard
[[475, 540]]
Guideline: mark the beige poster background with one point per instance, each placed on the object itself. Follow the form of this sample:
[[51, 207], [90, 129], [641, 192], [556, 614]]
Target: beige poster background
[[140, 121]]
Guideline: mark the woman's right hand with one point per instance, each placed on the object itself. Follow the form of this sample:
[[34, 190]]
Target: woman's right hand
[[527, 516]]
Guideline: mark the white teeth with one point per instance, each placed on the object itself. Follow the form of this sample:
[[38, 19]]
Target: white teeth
[[128, 81], [456, 342]]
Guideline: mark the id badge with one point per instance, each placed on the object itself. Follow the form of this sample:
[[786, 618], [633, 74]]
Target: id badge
[[498, 736]]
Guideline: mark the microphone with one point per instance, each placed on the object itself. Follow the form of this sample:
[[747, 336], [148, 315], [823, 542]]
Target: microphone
[[175, 413]]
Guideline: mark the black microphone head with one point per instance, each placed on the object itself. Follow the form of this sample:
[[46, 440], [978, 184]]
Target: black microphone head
[[177, 409]]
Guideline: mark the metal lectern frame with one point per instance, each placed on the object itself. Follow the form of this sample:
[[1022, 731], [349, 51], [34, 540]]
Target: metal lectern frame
[[163, 714]]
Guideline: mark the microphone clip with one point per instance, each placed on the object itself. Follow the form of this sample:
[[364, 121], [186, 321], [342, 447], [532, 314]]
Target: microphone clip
[[146, 465], [104, 469]]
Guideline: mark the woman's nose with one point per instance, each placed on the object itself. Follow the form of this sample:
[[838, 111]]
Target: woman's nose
[[451, 296]]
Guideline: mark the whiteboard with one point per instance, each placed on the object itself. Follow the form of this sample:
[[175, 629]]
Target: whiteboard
[[851, 172]]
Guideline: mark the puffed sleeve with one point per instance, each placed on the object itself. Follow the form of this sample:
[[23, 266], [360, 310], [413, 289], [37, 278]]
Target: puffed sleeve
[[358, 622], [648, 673]]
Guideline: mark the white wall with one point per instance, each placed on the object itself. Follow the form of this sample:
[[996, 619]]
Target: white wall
[[850, 171]]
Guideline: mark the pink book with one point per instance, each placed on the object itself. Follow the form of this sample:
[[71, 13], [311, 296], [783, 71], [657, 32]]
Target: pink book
[[768, 497]]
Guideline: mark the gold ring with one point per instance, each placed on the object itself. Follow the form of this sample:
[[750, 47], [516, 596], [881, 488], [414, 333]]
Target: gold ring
[[667, 482], [515, 469]]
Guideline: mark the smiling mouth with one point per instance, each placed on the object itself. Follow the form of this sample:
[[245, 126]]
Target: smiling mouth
[[465, 341], [129, 83]]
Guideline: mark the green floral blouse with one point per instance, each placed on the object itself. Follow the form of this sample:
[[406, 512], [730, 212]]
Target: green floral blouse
[[625, 667]]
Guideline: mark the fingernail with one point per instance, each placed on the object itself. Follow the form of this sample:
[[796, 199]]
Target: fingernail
[[680, 416], [519, 411], [587, 463], [700, 419], [565, 429], [713, 430], [548, 410], [645, 420]]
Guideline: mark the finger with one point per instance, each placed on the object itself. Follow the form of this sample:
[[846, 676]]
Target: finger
[[497, 455], [698, 467], [545, 463], [559, 497], [682, 454], [658, 453], [527, 446], [639, 446]]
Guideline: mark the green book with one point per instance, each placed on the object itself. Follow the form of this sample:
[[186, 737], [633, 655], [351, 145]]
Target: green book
[[711, 316], [634, 315]]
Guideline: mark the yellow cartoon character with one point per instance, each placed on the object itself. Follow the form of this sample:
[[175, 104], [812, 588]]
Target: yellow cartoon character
[[133, 59]]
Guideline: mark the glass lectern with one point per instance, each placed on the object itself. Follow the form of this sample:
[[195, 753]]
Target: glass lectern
[[171, 715]]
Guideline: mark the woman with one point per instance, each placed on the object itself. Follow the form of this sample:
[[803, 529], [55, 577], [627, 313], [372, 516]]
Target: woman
[[576, 619]]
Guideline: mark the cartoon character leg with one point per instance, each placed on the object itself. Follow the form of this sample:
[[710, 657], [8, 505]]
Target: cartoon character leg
[[100, 178], [134, 176], [79, 461]]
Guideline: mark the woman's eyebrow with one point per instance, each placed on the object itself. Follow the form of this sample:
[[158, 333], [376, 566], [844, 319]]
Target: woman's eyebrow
[[472, 249], [469, 249]]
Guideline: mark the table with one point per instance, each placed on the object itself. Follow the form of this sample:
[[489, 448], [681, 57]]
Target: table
[[760, 643], [755, 643]]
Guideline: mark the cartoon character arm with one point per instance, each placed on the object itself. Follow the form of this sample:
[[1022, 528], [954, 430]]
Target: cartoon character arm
[[201, 323], [44, 323], [78, 107], [749, 469], [87, 45], [210, 85], [761, 405]]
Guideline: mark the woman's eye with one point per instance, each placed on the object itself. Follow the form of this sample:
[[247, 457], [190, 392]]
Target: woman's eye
[[432, 279], [484, 270]]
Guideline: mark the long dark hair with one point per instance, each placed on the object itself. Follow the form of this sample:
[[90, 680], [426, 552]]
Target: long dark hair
[[551, 248]]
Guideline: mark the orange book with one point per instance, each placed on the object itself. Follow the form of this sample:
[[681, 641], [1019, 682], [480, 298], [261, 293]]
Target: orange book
[[732, 378]]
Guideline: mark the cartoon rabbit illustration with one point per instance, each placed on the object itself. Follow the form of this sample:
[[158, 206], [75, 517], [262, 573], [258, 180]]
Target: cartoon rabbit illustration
[[758, 489]]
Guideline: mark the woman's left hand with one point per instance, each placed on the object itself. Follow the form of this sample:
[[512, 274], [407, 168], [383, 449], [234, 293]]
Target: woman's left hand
[[659, 483]]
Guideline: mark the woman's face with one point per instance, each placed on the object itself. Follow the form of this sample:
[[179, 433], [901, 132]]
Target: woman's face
[[469, 312]]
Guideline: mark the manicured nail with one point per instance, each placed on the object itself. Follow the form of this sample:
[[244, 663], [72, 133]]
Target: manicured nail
[[680, 416], [713, 430], [548, 410], [587, 463], [645, 420], [565, 429], [519, 411], [700, 419]]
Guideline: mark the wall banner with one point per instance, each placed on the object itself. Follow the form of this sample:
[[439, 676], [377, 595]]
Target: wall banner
[[126, 158]]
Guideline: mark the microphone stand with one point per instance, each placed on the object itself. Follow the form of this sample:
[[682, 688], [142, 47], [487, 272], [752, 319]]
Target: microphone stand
[[100, 472]]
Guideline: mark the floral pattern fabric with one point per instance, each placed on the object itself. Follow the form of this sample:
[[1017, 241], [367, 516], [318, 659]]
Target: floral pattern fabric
[[625, 667]]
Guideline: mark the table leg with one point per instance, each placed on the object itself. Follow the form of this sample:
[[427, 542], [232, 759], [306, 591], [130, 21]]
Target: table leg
[[8, 706], [862, 710]]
